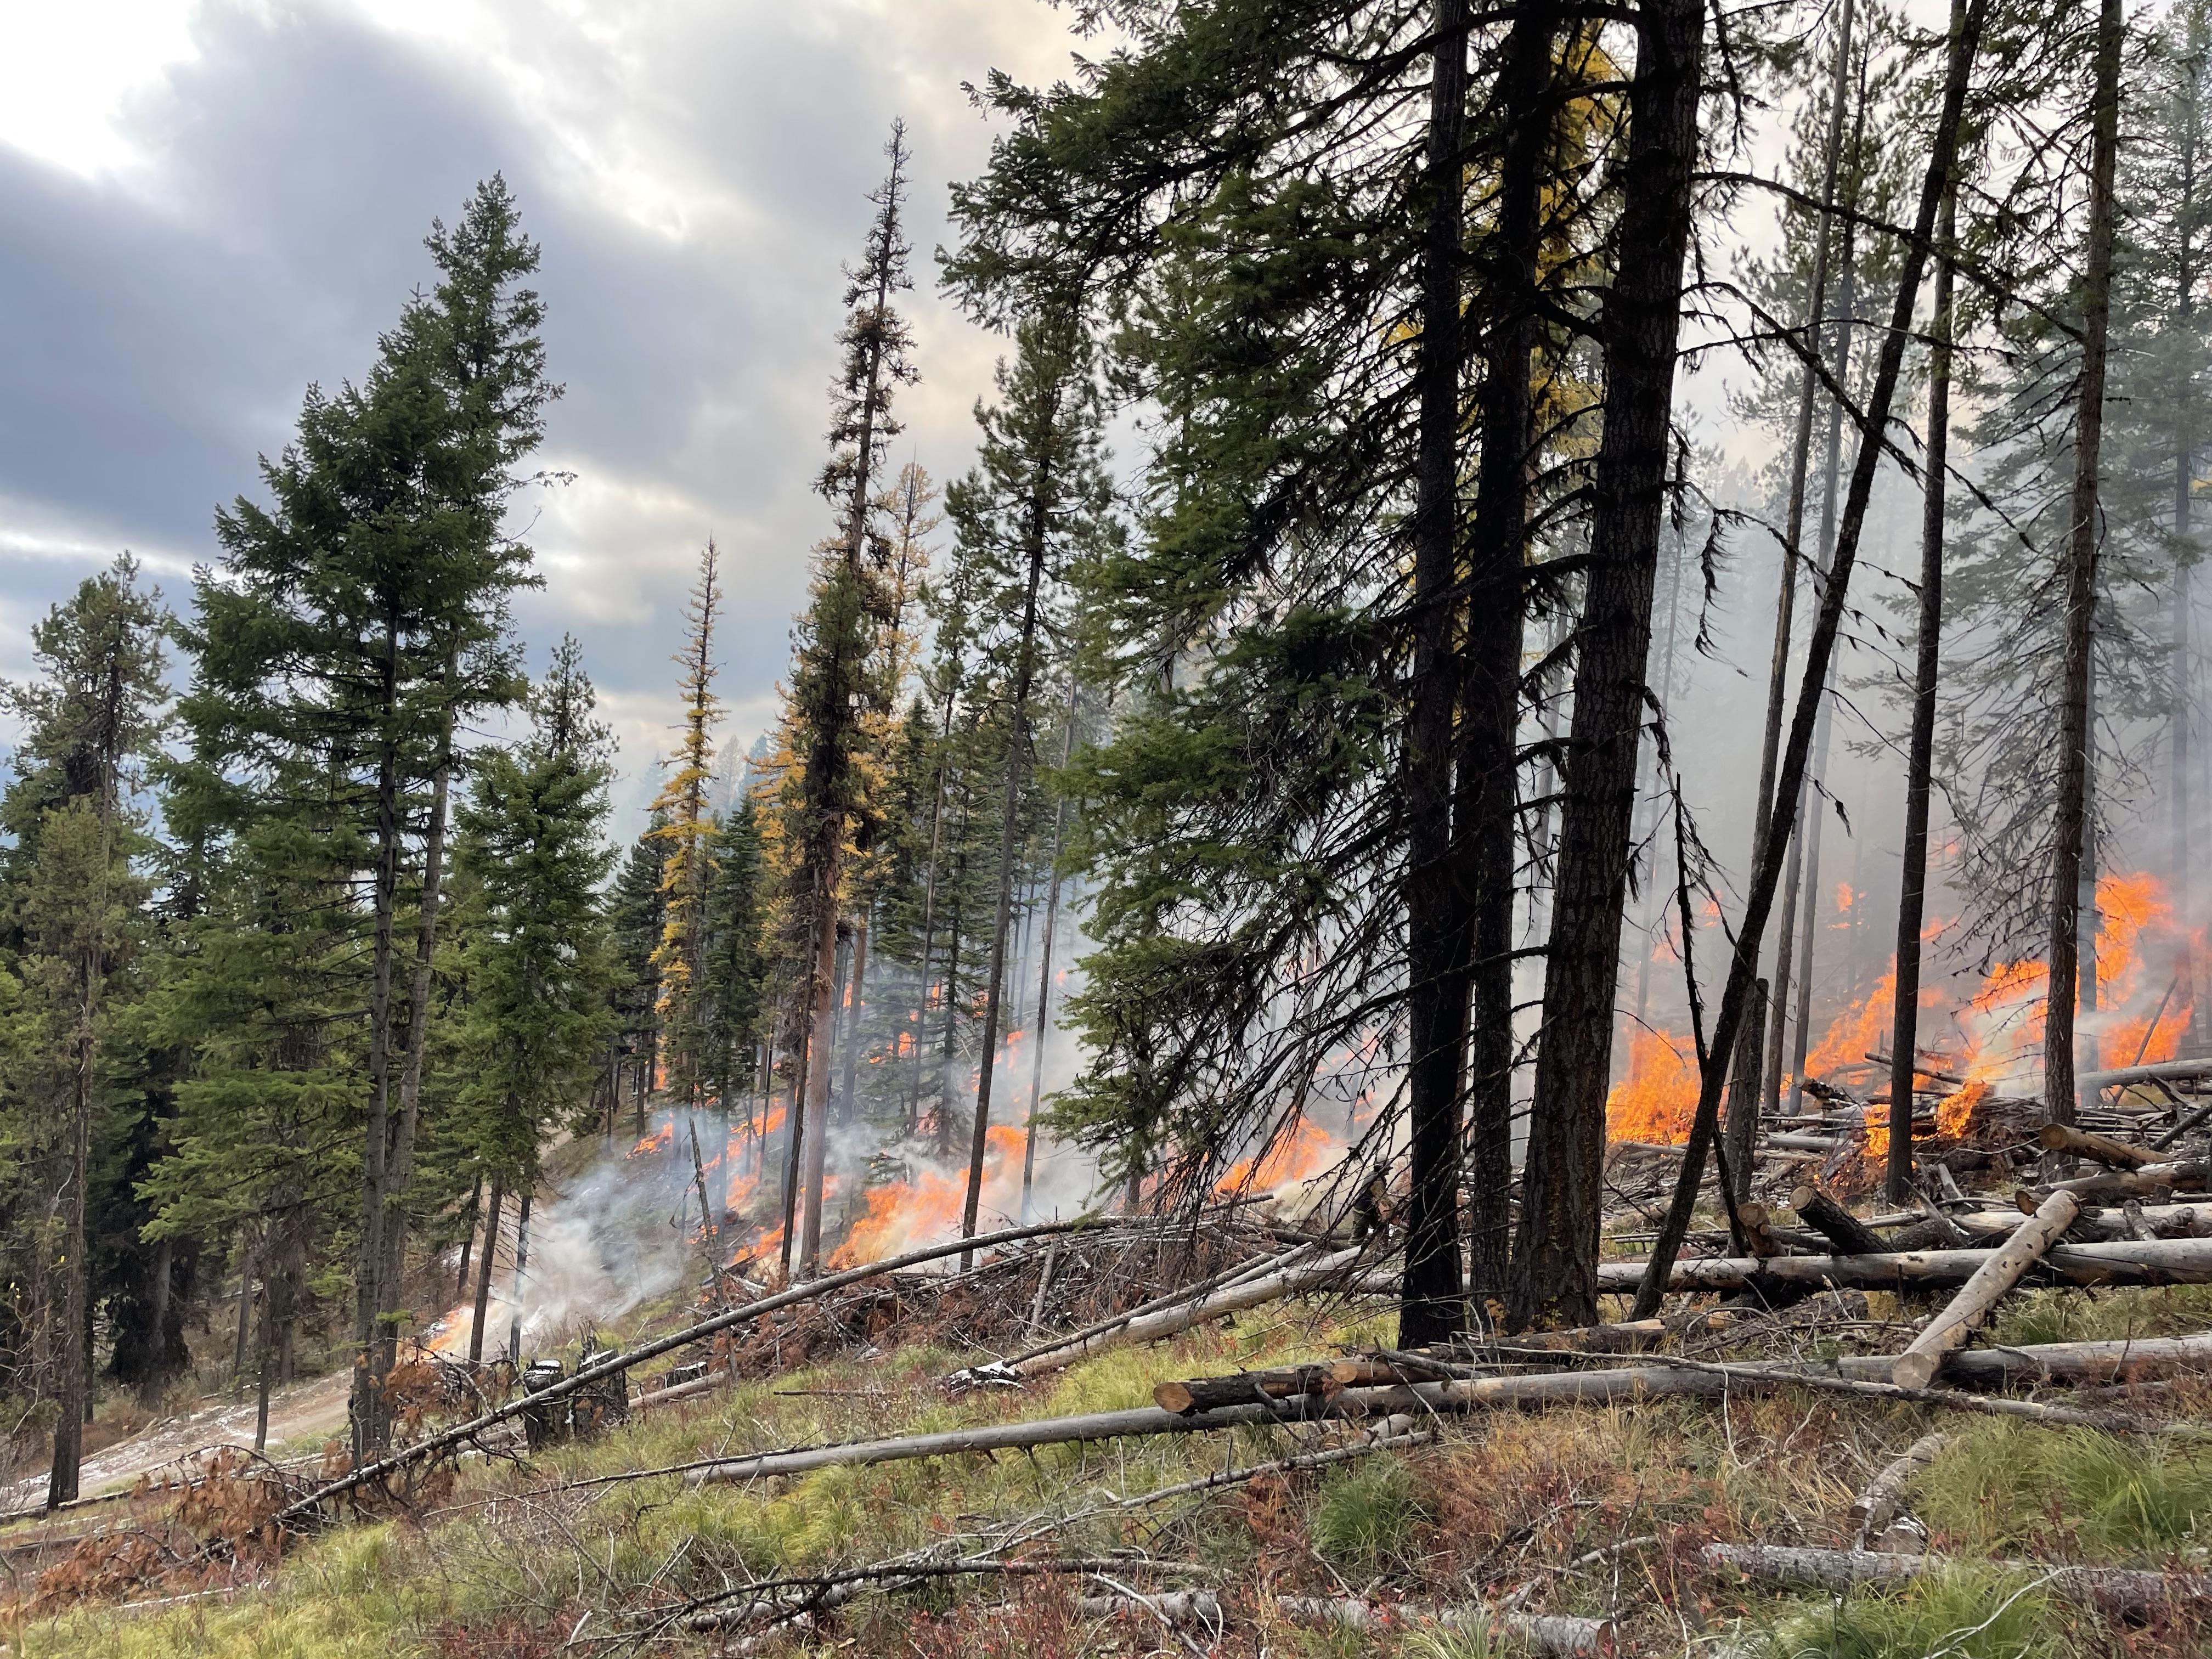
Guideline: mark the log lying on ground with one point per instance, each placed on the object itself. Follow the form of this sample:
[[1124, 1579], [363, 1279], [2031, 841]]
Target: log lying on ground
[[1316, 1274], [1321, 1377], [1849, 1235], [2162, 1261], [2103, 1224], [2151, 1181], [2099, 1149], [1949, 1331], [1199, 1608], [2158, 1070], [2119, 1587], [2061, 1361], [302, 1509], [1540, 1632], [1876, 1507]]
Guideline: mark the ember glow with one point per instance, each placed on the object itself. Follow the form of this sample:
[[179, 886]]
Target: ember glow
[[1293, 1159]]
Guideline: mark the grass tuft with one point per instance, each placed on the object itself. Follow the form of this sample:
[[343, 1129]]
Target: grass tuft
[[1365, 1515], [2002, 1485], [1955, 1615]]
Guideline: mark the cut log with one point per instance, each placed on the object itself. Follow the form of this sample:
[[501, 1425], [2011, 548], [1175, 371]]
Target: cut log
[[1876, 1507], [1205, 1393], [2098, 1149], [1539, 1632], [1849, 1235], [2118, 1587], [1949, 1331], [1199, 1608], [2167, 1261]]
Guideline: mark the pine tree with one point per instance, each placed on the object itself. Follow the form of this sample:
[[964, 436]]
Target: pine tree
[[683, 827], [95, 709], [1038, 501], [539, 966], [832, 682], [359, 618]]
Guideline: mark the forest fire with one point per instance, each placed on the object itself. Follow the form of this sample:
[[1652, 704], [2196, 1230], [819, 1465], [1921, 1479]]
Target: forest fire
[[1658, 1099], [904, 1215], [1288, 1161]]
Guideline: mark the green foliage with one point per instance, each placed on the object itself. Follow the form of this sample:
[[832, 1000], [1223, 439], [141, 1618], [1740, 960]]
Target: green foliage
[[2005, 1485], [1365, 1515], [1961, 1616]]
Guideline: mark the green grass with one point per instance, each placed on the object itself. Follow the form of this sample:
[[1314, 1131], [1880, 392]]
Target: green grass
[[1365, 1516], [1957, 1615], [2003, 1484], [2072, 1315]]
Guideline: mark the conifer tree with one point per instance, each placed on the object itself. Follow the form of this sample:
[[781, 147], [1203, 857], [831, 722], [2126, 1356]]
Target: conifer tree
[[1038, 500], [359, 617], [95, 707], [683, 827], [832, 682]]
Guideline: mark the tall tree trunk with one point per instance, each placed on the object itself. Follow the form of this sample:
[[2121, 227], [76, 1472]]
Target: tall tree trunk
[[1555, 1262], [1438, 911], [1044, 970], [1654, 906], [484, 1270], [469, 1234], [74, 1395], [521, 1268], [1806, 876], [367, 1414], [1778, 679], [399, 1169], [1486, 804], [157, 1370], [856, 1005], [1967, 21], [1777, 1004], [814, 1128], [1741, 1133], [2070, 823], [1913, 897], [944, 1125], [929, 915], [1040, 487]]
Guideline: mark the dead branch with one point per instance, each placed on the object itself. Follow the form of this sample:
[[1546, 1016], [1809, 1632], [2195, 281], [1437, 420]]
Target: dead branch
[[2119, 1587]]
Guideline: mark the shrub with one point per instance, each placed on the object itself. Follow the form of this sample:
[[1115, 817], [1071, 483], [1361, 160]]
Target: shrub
[[1365, 1514], [1958, 1615]]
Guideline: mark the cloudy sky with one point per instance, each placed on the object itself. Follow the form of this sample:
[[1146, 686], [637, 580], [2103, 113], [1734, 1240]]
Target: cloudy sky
[[204, 207]]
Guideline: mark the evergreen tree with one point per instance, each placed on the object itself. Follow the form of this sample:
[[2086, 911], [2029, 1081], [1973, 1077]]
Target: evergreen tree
[[683, 827], [359, 618], [74, 898]]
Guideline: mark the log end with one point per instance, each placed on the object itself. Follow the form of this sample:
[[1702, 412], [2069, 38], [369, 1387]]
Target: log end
[[1802, 1198], [2054, 1137], [1914, 1371], [1175, 1397]]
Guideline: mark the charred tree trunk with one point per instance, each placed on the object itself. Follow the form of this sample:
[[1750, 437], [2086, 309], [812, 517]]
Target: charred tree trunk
[[1912, 897], [1486, 805], [1967, 21], [1785, 603], [484, 1268], [856, 1005], [2070, 824], [1555, 1266], [1437, 911]]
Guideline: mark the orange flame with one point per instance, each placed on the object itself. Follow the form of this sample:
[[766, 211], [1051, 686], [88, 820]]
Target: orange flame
[[1657, 1102], [1293, 1159]]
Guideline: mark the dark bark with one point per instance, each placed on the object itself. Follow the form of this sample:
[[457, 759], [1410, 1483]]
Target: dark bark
[[521, 1267], [1555, 1260], [483, 1271], [2070, 827], [1045, 969], [856, 1005], [474, 1213], [1017, 742], [1785, 603], [1966, 37], [1490, 719], [1920, 749], [1744, 1097], [1437, 908], [367, 1402]]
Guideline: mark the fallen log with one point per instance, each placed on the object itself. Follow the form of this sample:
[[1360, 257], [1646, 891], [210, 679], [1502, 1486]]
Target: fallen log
[[586, 1376], [2099, 1149], [1201, 1607], [1179, 1315], [2053, 1363], [2150, 1180], [1876, 1507], [1849, 1235], [2155, 1071], [1949, 1331], [2102, 1225], [1541, 1632], [2163, 1261], [1205, 1393], [2119, 1587]]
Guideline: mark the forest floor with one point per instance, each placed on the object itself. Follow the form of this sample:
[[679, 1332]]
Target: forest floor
[[1599, 1511], [304, 1412]]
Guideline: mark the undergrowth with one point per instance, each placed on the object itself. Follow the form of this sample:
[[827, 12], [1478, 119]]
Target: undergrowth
[[1956, 1615], [2007, 1484]]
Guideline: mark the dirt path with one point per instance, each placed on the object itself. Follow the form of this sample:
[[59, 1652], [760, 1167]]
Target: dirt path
[[302, 1412]]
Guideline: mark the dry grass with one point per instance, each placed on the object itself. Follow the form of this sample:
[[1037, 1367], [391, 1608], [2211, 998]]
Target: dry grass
[[1588, 1509]]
